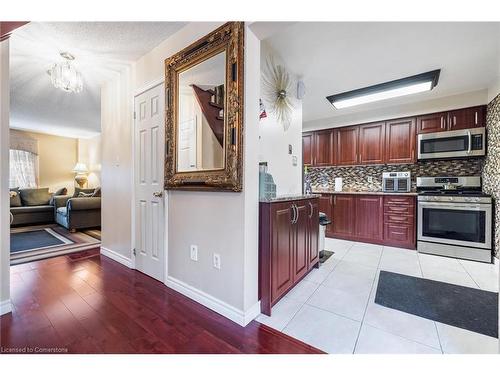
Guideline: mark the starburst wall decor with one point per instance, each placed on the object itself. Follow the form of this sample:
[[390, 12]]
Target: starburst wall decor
[[277, 92]]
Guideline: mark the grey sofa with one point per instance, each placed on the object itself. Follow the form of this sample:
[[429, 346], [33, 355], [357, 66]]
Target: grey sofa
[[78, 212], [33, 206]]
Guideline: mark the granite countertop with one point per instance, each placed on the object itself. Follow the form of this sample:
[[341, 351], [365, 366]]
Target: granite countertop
[[283, 198], [411, 193]]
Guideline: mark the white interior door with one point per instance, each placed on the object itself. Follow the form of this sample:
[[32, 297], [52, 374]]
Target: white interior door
[[149, 191]]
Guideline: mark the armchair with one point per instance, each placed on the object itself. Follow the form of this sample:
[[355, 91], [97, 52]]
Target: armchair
[[77, 212]]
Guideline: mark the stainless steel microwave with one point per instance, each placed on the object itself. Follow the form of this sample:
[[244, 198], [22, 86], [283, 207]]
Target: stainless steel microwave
[[452, 144]]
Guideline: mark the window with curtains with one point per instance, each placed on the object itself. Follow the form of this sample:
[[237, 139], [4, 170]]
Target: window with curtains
[[23, 169]]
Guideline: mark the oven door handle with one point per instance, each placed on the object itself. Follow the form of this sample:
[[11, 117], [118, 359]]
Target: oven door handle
[[446, 205], [469, 149]]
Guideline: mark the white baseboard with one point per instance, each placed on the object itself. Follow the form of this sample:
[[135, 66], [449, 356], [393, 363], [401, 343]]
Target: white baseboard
[[236, 315], [116, 257], [252, 313], [5, 307]]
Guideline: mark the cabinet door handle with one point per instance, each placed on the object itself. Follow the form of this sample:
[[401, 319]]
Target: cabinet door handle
[[298, 213], [293, 213], [442, 122], [454, 120], [312, 209], [475, 117]]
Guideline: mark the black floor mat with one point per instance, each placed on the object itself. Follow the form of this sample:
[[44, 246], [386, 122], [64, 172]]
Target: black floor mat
[[324, 255], [472, 309]]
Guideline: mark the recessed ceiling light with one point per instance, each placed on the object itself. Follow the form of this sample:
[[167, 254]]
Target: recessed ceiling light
[[387, 90]]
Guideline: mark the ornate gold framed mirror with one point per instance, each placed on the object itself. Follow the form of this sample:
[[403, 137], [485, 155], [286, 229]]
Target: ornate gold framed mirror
[[204, 112]]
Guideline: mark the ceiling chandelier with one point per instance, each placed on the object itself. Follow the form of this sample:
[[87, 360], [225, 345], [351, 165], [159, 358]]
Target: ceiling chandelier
[[64, 76]]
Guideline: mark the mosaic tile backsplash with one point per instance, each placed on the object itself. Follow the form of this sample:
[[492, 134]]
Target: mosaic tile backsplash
[[491, 171], [357, 178]]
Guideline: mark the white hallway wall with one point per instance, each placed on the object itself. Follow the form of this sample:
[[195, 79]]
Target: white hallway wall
[[4, 180], [274, 141], [226, 223], [117, 165]]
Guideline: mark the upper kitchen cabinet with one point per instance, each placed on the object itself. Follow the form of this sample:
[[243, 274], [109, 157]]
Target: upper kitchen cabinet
[[400, 141], [372, 143], [323, 148], [435, 122], [467, 118], [307, 148], [317, 148], [346, 145]]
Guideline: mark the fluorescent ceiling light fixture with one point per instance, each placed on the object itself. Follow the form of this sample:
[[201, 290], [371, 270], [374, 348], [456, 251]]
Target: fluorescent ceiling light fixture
[[393, 89]]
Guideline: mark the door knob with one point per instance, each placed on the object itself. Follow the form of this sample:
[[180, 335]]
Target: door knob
[[158, 194]]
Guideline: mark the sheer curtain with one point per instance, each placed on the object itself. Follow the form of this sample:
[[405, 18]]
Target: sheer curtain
[[22, 169]]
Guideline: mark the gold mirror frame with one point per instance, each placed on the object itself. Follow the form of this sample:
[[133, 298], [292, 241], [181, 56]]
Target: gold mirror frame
[[229, 38]]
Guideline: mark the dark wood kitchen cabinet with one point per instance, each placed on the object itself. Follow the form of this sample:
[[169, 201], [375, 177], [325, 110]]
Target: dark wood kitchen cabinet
[[435, 122], [372, 143], [467, 118], [400, 221], [307, 148], [300, 236], [323, 148], [346, 145], [288, 246], [464, 118], [357, 217], [375, 218], [317, 148], [369, 217], [313, 233], [386, 142], [344, 211], [400, 141]]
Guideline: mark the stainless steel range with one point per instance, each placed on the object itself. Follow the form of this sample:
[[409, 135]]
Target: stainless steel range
[[454, 218]]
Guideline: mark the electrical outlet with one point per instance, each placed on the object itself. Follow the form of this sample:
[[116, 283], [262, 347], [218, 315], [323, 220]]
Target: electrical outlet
[[217, 261], [194, 252], [370, 179]]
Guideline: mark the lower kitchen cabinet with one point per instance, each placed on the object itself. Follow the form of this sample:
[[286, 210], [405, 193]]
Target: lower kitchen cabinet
[[369, 215], [288, 246], [344, 219], [400, 221], [385, 220]]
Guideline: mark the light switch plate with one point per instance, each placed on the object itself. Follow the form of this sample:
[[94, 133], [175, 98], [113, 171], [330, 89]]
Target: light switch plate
[[217, 261], [193, 253]]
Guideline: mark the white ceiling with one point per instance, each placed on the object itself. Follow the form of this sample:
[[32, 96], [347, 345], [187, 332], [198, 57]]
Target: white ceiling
[[101, 49], [334, 57]]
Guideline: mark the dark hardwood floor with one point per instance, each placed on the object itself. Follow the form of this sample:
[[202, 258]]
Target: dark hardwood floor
[[87, 303]]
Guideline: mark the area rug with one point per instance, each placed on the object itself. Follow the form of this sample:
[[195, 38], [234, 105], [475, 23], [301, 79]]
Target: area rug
[[32, 242], [468, 308], [36, 239]]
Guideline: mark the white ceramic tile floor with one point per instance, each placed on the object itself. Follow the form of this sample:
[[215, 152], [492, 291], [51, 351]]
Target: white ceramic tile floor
[[333, 308]]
